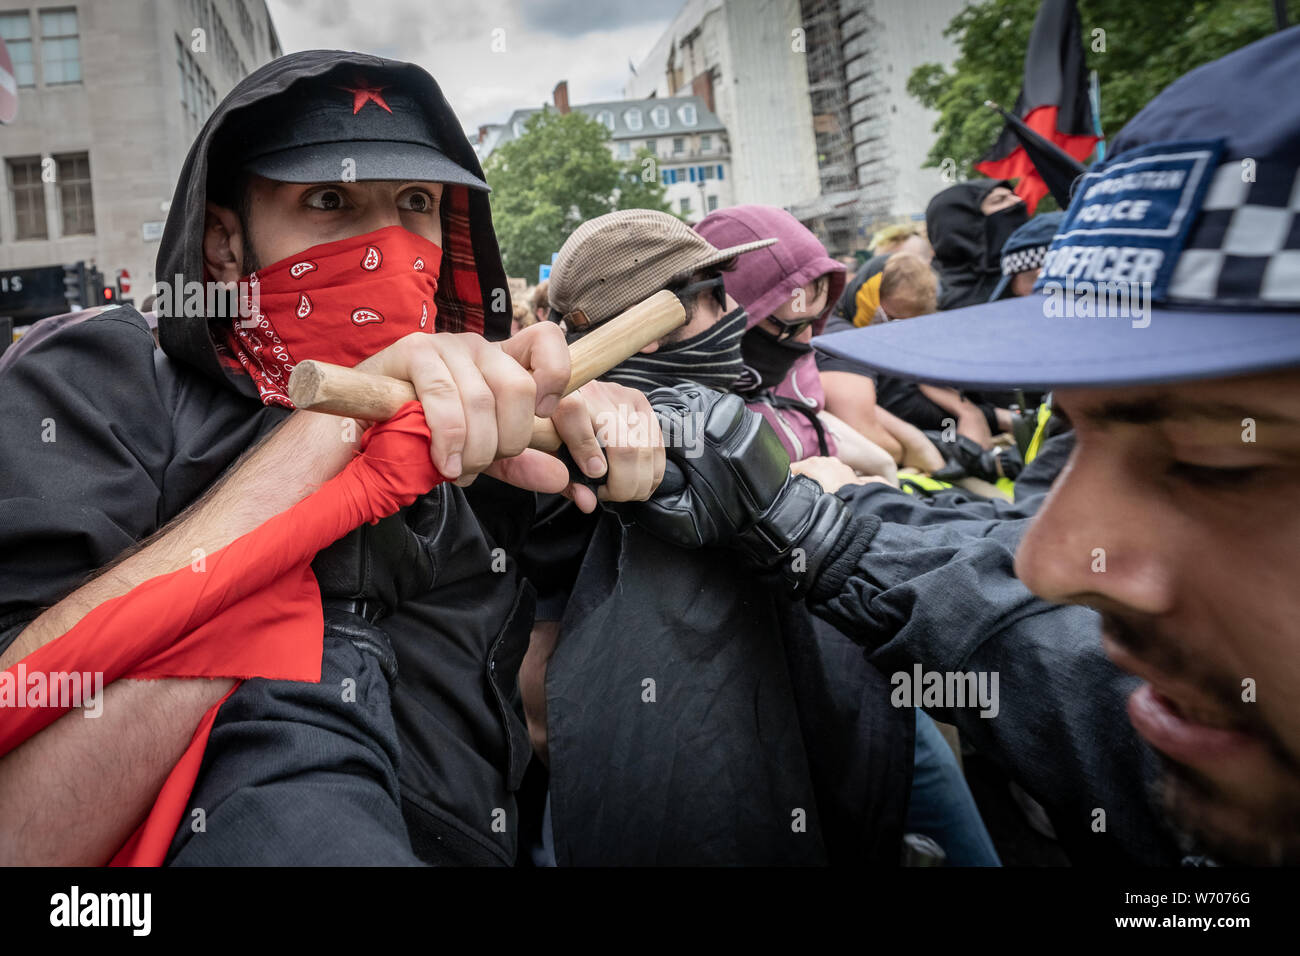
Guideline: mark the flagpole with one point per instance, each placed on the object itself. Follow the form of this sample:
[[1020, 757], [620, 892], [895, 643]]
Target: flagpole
[[1094, 94]]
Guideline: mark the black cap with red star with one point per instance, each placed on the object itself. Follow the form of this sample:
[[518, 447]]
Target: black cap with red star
[[356, 127]]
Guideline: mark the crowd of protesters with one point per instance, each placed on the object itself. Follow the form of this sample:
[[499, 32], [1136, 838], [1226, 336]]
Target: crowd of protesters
[[874, 568]]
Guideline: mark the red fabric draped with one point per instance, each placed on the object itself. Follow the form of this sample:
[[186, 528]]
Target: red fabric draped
[[251, 609]]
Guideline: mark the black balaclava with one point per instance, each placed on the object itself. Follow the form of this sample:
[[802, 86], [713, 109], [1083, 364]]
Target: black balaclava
[[710, 358], [767, 361], [968, 244]]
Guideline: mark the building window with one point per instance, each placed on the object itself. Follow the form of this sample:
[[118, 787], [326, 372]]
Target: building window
[[650, 145], [679, 144], [60, 47], [684, 204], [686, 114], [625, 150], [706, 142], [633, 119], [606, 119], [198, 98], [16, 31], [713, 203], [27, 195], [707, 172], [74, 194], [659, 116]]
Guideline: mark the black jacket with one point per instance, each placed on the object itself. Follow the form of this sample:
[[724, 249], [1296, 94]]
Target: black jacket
[[695, 717], [139, 434], [937, 587]]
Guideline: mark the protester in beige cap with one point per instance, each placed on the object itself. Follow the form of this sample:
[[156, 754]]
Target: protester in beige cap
[[616, 260], [746, 733]]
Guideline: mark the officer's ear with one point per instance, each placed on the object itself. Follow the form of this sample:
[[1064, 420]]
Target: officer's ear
[[223, 243]]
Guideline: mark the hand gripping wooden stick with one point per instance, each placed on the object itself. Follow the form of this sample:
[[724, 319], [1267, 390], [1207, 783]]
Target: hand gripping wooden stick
[[336, 390]]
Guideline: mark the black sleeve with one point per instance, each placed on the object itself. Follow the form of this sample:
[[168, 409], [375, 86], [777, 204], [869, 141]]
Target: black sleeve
[[86, 444], [907, 401], [954, 508], [948, 601], [990, 416], [832, 363]]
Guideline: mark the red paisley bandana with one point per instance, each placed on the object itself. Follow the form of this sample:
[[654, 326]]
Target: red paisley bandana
[[340, 302]]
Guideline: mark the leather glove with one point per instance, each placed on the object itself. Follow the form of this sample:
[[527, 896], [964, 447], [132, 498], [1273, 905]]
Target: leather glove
[[728, 484], [967, 458]]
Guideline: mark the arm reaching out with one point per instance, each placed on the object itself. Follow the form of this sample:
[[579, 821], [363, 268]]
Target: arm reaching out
[[939, 599]]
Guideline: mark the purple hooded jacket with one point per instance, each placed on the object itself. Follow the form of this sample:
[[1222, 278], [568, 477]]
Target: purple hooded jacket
[[762, 282]]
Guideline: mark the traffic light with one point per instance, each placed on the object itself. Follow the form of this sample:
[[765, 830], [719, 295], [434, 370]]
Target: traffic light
[[95, 287], [74, 286], [107, 295]]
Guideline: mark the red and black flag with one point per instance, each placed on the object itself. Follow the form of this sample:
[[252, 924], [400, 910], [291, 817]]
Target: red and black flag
[[1053, 102], [1057, 168]]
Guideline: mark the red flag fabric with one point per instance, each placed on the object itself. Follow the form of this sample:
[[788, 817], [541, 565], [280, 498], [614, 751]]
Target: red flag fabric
[[1031, 187], [1053, 100], [250, 609]]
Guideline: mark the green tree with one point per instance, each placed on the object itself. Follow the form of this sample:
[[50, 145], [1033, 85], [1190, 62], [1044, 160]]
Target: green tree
[[1143, 46], [558, 174]]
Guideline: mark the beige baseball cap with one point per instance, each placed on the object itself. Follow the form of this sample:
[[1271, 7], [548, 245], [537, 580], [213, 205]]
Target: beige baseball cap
[[612, 262]]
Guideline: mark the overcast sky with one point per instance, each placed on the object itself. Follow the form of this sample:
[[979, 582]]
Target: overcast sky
[[587, 42]]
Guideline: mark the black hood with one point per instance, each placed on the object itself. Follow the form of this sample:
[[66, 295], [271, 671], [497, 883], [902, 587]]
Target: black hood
[[956, 230], [471, 258]]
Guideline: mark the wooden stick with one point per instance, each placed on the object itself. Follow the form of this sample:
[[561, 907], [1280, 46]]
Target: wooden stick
[[322, 387]]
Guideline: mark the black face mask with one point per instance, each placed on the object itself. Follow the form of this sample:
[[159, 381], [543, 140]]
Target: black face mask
[[767, 361], [711, 359], [998, 228]]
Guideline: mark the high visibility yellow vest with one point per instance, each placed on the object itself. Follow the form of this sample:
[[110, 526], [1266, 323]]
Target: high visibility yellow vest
[[1040, 432]]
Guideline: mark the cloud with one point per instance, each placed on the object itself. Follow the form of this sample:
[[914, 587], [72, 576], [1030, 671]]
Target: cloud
[[567, 16], [490, 57]]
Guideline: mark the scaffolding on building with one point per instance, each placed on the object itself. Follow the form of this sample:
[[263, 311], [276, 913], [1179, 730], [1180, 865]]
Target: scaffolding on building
[[848, 91]]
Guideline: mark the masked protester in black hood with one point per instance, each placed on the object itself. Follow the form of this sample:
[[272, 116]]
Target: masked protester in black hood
[[322, 178], [967, 225], [743, 706]]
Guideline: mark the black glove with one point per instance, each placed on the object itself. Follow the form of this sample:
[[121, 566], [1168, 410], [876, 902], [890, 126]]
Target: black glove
[[968, 459], [728, 484]]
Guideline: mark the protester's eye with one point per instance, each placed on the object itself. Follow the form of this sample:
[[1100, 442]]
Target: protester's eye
[[328, 199], [418, 200]]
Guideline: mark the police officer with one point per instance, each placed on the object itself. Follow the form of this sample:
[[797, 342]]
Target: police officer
[[1157, 580]]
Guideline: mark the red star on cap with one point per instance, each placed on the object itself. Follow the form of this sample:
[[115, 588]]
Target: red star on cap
[[363, 93]]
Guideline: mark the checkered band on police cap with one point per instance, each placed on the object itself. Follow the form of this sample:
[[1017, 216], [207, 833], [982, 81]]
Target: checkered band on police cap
[[1245, 245], [1023, 259]]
